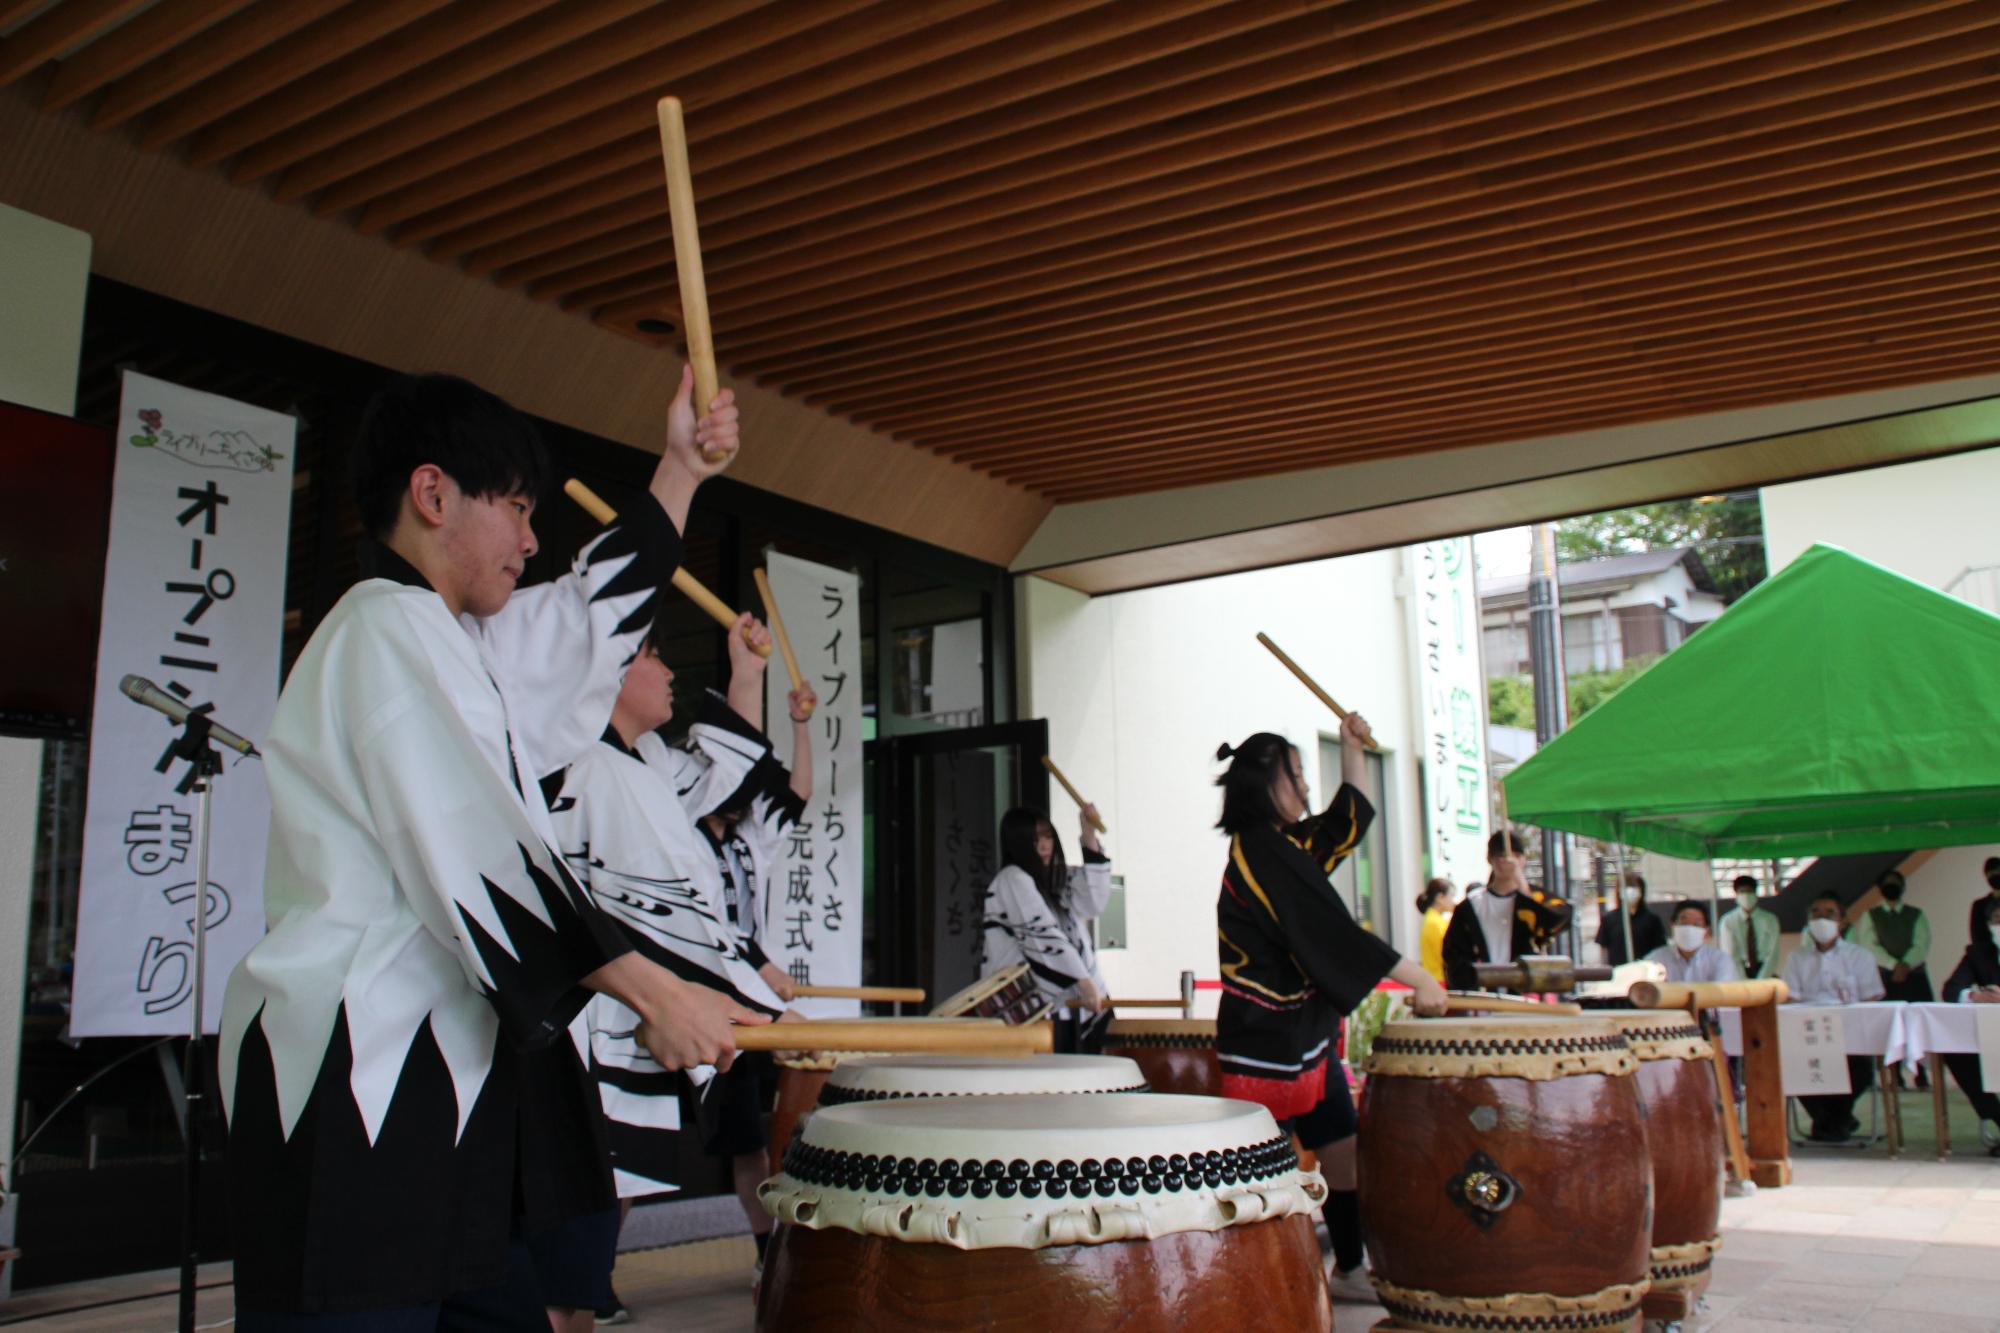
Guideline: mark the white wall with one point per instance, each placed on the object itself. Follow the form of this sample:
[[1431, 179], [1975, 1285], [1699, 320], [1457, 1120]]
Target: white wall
[[44, 269], [1140, 688], [1929, 521]]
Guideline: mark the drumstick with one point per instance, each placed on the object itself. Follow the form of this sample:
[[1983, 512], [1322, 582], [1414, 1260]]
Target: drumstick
[[1455, 1003], [1367, 738], [900, 994], [777, 624], [1095, 821], [1145, 1004], [687, 257], [916, 1034], [690, 586]]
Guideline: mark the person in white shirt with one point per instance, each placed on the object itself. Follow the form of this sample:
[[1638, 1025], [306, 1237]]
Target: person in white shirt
[[1826, 969], [1749, 936], [1693, 956]]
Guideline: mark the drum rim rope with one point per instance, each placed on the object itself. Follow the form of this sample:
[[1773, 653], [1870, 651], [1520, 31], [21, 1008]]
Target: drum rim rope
[[1610, 1307], [1505, 1055], [1675, 1267]]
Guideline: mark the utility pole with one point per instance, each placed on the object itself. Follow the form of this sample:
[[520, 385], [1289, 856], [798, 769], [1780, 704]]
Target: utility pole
[[1551, 688]]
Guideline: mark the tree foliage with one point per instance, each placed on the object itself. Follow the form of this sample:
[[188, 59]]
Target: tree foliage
[[1727, 532], [1510, 700]]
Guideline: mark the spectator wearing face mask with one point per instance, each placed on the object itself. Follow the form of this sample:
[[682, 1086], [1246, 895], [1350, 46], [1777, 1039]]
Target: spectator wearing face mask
[[1975, 920], [1750, 937], [1648, 933], [1899, 936], [1976, 980], [1692, 956], [1826, 969]]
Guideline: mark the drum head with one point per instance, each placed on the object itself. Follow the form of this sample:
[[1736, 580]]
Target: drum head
[[1031, 1171], [979, 1076]]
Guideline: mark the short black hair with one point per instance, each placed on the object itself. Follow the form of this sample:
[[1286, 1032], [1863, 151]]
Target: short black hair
[[1246, 784], [1892, 874], [1495, 843], [1992, 863], [1829, 896], [1746, 882], [1691, 905], [485, 446]]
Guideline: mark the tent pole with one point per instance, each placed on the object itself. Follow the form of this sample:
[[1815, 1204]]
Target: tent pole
[[1624, 913]]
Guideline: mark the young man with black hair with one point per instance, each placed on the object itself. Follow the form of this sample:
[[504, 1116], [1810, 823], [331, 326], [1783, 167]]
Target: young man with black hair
[[1975, 920], [1826, 969], [392, 1144], [1693, 956], [1505, 920], [1749, 936]]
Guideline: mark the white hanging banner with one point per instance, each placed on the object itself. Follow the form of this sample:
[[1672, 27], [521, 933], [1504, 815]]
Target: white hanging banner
[[194, 600], [812, 906], [1444, 623]]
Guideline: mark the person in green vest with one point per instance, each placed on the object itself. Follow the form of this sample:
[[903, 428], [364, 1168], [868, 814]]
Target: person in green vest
[[1899, 936], [1749, 936]]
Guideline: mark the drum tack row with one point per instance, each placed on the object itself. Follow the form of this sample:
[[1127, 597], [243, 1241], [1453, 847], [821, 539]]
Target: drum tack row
[[1518, 1173]]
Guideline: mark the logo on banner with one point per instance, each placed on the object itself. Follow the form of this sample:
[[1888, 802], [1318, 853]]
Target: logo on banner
[[234, 450]]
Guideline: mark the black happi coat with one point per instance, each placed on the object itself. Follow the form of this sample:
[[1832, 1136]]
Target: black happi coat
[[1537, 919], [1293, 958]]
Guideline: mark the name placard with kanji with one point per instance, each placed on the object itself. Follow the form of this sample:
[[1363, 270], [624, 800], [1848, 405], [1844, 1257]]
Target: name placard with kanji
[[1812, 1050], [194, 600]]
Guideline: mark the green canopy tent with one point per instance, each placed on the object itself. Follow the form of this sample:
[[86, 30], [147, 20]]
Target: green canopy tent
[[1838, 707]]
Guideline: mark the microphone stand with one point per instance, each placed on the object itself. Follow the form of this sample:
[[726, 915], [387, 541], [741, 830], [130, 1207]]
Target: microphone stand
[[194, 747]]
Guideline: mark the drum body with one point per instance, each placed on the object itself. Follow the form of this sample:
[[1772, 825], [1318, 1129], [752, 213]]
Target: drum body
[[1009, 1213], [1677, 1087], [1009, 995], [1175, 1054], [1505, 1175]]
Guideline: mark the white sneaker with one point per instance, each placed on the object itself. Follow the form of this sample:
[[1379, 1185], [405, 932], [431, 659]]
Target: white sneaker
[[1351, 1285]]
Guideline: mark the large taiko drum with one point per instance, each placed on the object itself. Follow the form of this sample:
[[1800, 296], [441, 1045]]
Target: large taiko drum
[[1176, 1054], [801, 1075], [1505, 1175], [895, 1077], [1035, 1213], [1684, 1133]]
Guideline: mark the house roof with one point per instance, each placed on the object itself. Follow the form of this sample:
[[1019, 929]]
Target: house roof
[[1608, 574]]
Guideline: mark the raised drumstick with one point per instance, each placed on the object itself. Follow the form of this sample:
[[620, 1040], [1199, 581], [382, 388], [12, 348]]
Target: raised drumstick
[[777, 624], [1096, 821], [1367, 739], [687, 256], [690, 586]]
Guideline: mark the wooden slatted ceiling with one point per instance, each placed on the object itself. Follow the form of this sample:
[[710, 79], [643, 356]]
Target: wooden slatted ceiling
[[1099, 247]]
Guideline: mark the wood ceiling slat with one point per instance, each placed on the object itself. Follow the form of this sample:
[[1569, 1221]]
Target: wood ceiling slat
[[352, 28], [1702, 172], [945, 271], [13, 11], [232, 40], [164, 26], [1330, 361], [56, 30], [381, 62], [488, 57], [873, 333], [1252, 464], [1138, 75], [1197, 439], [816, 70], [1612, 410], [1578, 364], [757, 45]]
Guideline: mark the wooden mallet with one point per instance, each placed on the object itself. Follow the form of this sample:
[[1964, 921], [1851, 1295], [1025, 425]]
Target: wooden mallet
[[1367, 738], [687, 258], [1096, 821], [777, 624], [690, 586]]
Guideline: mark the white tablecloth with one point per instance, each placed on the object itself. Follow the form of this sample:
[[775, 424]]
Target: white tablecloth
[[1872, 1029], [1948, 1029]]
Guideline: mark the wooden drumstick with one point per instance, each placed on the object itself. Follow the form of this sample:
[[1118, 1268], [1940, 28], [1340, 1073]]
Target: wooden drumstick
[[1096, 821], [1145, 1004], [593, 504], [777, 624], [916, 1034], [1367, 738], [1456, 1003], [687, 257], [899, 994]]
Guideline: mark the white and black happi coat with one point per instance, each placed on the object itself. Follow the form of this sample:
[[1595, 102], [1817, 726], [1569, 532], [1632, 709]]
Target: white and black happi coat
[[625, 818], [1020, 927], [748, 854], [426, 943]]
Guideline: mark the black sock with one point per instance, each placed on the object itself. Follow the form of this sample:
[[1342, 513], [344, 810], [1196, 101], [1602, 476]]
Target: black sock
[[763, 1240], [1342, 1211]]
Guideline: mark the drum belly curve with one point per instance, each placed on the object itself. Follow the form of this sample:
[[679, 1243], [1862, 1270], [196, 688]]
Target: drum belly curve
[[1572, 1213], [1261, 1278], [1684, 1134]]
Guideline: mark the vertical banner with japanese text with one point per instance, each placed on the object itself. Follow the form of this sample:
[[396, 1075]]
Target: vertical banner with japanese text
[[812, 923], [1444, 619], [194, 600]]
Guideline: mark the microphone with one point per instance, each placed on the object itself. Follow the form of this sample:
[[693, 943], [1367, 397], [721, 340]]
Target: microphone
[[140, 690]]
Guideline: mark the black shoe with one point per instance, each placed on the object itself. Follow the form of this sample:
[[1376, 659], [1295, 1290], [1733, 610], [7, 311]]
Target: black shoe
[[1923, 1081], [615, 1313]]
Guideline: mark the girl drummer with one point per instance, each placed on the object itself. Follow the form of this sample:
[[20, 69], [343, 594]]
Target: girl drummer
[[1038, 911], [1294, 961]]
